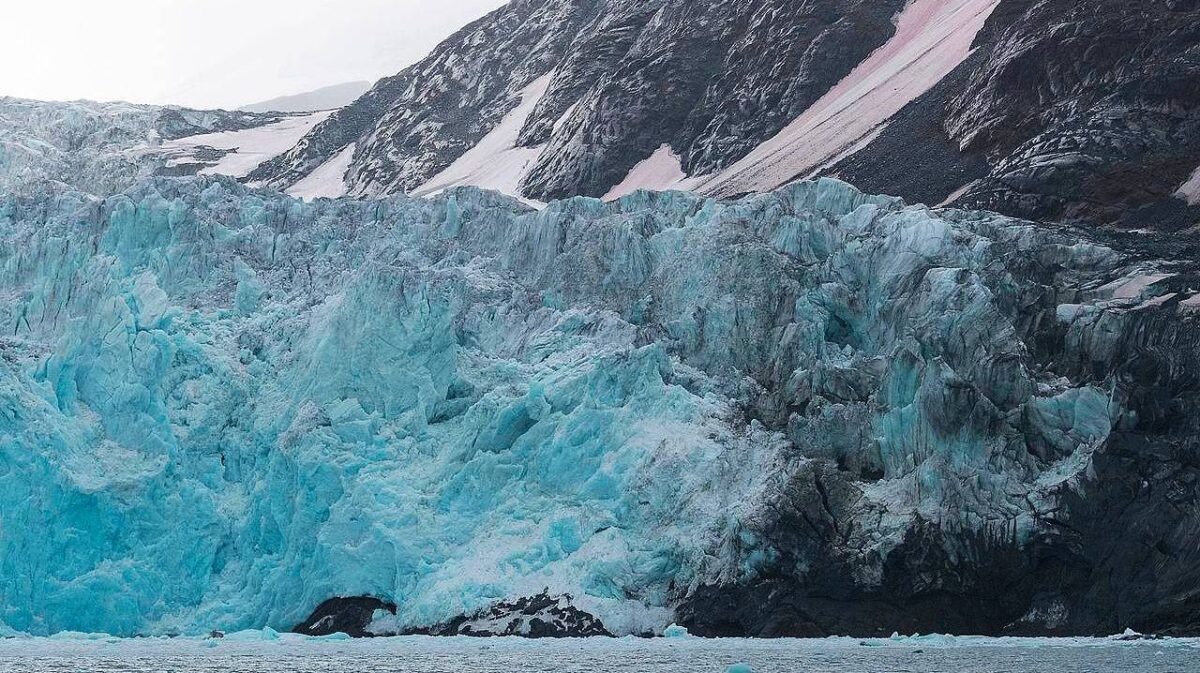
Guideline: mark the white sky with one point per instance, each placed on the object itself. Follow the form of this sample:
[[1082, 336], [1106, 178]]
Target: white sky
[[213, 53]]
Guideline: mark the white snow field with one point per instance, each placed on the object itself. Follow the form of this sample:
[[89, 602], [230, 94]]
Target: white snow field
[[250, 147], [495, 162], [661, 171], [329, 180], [270, 652]]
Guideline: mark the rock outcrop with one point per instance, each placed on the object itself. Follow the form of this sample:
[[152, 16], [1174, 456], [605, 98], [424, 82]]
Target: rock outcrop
[[1043, 109], [351, 616]]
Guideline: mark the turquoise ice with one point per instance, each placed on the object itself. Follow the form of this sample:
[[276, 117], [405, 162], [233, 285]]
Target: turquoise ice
[[220, 407]]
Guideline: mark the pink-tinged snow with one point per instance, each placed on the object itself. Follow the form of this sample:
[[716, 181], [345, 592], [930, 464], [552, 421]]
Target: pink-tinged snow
[[253, 146], [1190, 190], [957, 194], [328, 181], [932, 38], [495, 162], [1155, 302], [661, 171], [1132, 288]]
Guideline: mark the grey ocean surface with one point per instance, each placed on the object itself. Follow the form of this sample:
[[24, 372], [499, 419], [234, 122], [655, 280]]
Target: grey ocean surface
[[247, 652]]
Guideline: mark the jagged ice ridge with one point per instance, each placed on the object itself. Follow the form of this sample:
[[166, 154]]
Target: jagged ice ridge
[[220, 406]]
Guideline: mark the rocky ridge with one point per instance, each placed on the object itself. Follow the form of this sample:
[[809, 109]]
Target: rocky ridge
[[1109, 139]]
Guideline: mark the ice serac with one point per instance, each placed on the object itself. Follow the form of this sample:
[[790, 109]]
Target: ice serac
[[800, 412], [104, 148]]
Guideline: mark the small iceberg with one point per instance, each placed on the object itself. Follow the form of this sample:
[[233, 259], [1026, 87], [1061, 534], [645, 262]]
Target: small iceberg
[[675, 631]]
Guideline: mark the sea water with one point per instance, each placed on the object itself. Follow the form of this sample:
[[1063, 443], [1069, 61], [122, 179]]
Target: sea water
[[267, 652]]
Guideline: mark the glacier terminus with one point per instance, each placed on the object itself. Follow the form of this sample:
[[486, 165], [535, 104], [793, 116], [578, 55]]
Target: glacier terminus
[[811, 411]]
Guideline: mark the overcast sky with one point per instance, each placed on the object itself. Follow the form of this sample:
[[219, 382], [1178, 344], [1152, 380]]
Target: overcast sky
[[213, 53]]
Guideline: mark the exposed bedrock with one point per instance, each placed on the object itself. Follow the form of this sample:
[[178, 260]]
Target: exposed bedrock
[[540, 616], [1083, 112], [713, 80], [1059, 110], [351, 616]]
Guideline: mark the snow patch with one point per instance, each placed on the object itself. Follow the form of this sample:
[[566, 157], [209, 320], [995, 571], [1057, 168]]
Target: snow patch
[[329, 180], [660, 171], [562, 121], [1155, 302], [496, 162], [250, 147], [1133, 287], [932, 38], [1190, 190], [957, 194]]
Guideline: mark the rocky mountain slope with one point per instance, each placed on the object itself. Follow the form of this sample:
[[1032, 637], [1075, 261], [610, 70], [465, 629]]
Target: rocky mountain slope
[[803, 412], [1048, 109]]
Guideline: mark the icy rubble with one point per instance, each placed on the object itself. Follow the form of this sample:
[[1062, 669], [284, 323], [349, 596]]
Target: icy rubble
[[220, 407], [104, 148], [82, 144]]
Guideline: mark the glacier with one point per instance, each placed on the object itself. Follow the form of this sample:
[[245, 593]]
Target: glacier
[[104, 148], [220, 406]]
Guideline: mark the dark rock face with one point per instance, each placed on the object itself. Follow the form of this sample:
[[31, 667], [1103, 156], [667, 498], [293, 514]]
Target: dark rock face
[[541, 616], [410, 126], [1079, 112], [351, 616], [713, 80], [173, 122]]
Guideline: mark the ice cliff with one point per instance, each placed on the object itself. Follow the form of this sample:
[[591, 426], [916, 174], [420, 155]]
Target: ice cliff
[[221, 407]]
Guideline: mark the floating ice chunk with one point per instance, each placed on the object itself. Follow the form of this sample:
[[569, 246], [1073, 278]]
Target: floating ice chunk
[[79, 635], [265, 634], [675, 631]]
